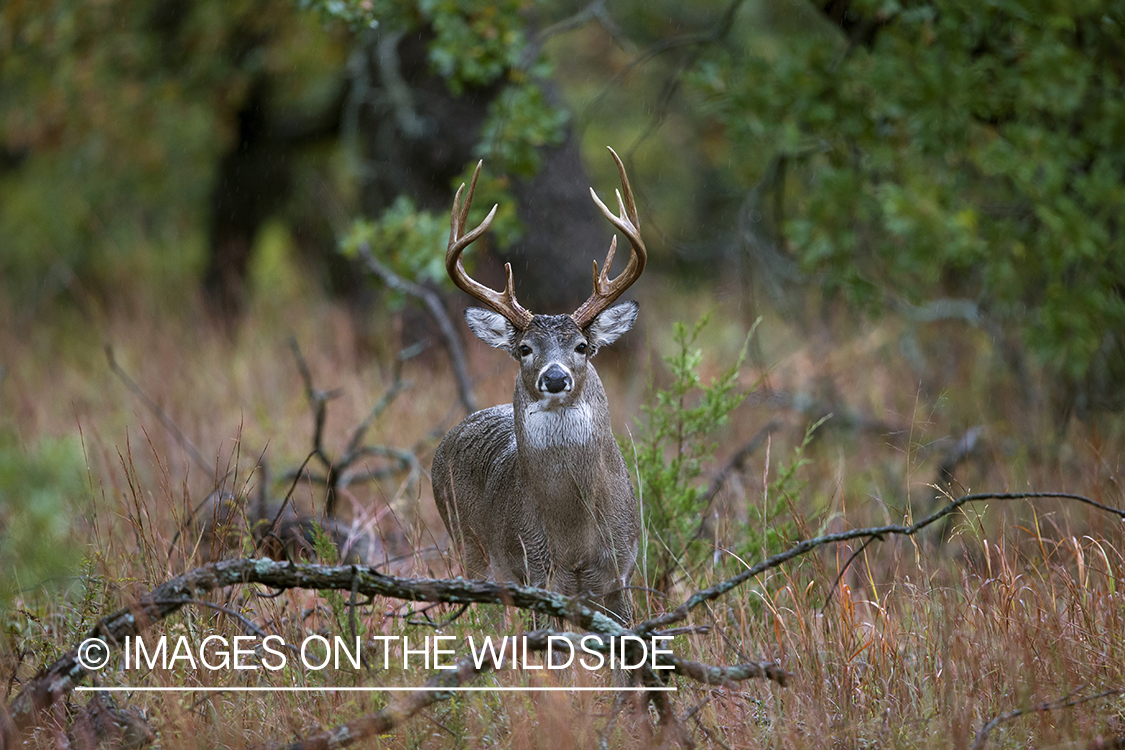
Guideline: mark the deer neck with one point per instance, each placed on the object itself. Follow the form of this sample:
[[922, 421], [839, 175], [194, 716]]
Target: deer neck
[[564, 447]]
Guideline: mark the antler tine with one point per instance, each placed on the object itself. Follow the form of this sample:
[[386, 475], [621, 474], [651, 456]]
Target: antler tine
[[502, 302], [606, 291]]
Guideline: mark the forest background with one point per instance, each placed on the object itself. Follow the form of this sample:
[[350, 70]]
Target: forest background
[[920, 203]]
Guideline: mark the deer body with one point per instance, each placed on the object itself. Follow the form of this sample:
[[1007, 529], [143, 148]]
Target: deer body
[[537, 491]]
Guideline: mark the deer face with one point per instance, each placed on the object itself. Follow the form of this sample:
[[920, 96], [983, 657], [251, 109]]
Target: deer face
[[553, 351]]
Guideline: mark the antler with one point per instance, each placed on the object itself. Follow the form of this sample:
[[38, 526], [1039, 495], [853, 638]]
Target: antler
[[606, 290], [502, 302]]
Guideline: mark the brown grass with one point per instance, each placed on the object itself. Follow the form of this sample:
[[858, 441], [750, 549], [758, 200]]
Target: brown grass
[[921, 644]]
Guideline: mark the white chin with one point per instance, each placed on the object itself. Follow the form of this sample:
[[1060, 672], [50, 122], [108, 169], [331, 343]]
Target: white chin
[[548, 399]]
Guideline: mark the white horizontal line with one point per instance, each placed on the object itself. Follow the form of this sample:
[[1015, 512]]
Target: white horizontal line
[[343, 689]]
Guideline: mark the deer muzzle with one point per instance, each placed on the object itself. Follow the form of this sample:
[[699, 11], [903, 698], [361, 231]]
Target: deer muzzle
[[555, 379]]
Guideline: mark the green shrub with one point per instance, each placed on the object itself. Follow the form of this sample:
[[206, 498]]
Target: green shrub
[[674, 442], [37, 491]]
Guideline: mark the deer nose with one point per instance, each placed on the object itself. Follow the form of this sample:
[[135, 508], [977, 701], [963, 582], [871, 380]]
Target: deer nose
[[554, 380]]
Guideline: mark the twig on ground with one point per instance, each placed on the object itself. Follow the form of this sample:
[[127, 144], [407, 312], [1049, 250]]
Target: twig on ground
[[429, 621], [249, 626], [150, 403], [719, 589], [339, 473], [1066, 701], [394, 715], [271, 530], [693, 714], [59, 678], [673, 730], [614, 714], [466, 671]]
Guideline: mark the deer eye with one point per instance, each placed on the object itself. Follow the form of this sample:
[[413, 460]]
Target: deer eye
[[581, 348], [524, 350]]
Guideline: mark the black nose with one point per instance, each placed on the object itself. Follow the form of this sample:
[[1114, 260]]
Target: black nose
[[554, 380]]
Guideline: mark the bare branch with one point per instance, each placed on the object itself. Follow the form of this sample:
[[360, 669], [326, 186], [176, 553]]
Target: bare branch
[[735, 464], [437, 311], [58, 679], [719, 589], [395, 715], [270, 531], [596, 9], [712, 35], [150, 403], [339, 473], [1066, 701], [398, 386], [318, 402]]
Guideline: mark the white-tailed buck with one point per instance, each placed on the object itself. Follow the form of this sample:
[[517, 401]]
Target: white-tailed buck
[[536, 491]]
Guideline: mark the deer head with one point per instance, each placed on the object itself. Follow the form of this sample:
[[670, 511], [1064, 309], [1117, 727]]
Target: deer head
[[552, 349]]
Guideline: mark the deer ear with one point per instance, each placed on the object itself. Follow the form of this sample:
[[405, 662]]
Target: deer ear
[[491, 328], [611, 324]]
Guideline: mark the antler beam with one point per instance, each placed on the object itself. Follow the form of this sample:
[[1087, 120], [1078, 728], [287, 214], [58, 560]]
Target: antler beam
[[502, 302], [606, 291]]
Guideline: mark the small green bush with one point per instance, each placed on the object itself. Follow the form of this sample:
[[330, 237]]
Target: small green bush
[[38, 489], [674, 442]]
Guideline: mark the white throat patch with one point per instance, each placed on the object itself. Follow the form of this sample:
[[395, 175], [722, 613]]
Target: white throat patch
[[564, 426]]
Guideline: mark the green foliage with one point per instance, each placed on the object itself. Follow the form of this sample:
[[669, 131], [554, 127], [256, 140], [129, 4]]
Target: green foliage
[[37, 492], [769, 527], [673, 443], [475, 44], [972, 150], [115, 115], [520, 124], [410, 242], [478, 44]]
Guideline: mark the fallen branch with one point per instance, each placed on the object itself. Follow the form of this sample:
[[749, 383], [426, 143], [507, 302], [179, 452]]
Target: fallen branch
[[58, 679], [55, 681], [395, 715], [1067, 701], [877, 532], [466, 671]]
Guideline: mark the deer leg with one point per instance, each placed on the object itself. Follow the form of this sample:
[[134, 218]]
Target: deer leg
[[474, 560], [608, 591]]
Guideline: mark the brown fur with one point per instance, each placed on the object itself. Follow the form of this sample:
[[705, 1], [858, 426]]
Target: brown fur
[[537, 491]]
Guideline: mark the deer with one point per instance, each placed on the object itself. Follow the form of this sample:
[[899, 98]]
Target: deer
[[537, 491]]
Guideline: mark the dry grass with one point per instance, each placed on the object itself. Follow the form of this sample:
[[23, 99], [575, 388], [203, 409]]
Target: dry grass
[[921, 644]]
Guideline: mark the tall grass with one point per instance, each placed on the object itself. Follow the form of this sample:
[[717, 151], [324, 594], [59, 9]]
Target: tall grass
[[920, 643]]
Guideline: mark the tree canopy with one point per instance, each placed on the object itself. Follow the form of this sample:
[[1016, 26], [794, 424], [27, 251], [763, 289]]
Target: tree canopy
[[941, 159]]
